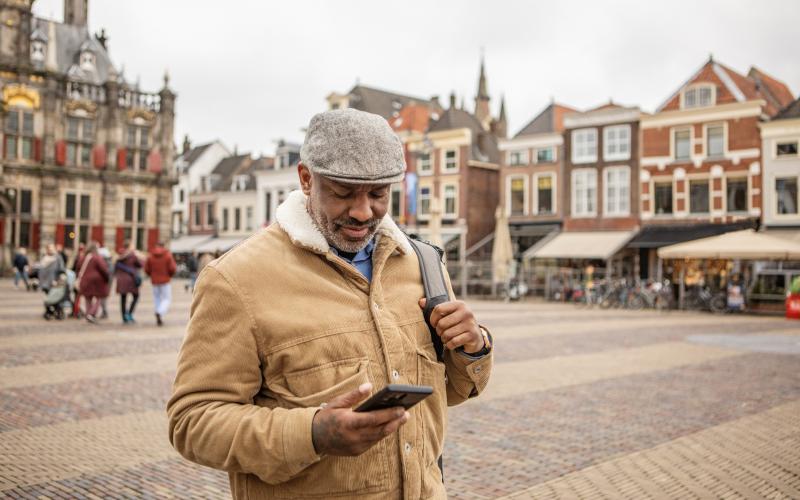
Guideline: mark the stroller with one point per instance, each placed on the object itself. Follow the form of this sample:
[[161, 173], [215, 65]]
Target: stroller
[[58, 297]]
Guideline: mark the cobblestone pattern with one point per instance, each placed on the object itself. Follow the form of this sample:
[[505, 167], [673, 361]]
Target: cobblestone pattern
[[27, 407], [75, 352], [175, 478], [759, 456], [543, 435]]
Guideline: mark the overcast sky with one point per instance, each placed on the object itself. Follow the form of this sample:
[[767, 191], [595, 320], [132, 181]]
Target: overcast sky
[[250, 72]]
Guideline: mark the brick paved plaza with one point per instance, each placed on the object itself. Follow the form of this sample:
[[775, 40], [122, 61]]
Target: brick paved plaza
[[583, 404]]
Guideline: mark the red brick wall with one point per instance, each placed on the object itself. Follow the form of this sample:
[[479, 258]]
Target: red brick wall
[[706, 75], [483, 196]]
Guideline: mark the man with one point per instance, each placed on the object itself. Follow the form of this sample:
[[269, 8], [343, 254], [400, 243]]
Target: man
[[21, 268], [161, 267], [295, 326]]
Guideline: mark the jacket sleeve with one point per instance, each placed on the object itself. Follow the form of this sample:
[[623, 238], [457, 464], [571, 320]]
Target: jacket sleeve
[[147, 266], [212, 418], [466, 377]]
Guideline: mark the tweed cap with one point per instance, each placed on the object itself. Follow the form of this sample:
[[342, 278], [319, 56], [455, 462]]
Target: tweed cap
[[353, 147]]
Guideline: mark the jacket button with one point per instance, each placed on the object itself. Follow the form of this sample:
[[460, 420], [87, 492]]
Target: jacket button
[[477, 369], [407, 447], [395, 374]]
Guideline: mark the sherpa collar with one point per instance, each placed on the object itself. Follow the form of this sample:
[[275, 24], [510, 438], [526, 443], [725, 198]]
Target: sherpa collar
[[293, 217]]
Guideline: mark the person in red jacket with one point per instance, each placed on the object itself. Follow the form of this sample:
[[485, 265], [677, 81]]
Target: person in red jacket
[[93, 280], [161, 267]]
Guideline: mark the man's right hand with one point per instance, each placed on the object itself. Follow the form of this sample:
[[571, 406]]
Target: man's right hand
[[338, 430]]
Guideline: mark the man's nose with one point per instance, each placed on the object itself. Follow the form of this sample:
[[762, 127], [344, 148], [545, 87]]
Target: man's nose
[[361, 209]]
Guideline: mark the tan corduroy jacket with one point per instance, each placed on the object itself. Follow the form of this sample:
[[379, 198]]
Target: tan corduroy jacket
[[279, 325]]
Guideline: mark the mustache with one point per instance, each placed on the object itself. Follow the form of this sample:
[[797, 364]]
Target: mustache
[[355, 223]]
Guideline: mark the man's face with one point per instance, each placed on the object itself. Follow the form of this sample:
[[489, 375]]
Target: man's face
[[347, 214]]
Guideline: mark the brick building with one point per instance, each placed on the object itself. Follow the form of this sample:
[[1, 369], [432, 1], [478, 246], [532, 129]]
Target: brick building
[[701, 157], [599, 196], [86, 154], [530, 175]]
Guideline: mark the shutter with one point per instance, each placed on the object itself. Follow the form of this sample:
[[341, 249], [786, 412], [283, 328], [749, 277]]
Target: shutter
[[61, 153], [35, 236], [59, 234], [97, 234], [2, 231], [152, 238], [154, 162], [37, 148], [120, 238], [99, 157], [121, 153]]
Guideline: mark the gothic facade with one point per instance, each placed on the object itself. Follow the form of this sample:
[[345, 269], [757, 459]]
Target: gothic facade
[[86, 154]]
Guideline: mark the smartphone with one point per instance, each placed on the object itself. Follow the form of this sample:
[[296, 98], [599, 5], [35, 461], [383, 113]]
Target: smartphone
[[394, 395]]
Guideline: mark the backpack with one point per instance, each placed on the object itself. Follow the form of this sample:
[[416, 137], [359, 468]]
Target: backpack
[[430, 267]]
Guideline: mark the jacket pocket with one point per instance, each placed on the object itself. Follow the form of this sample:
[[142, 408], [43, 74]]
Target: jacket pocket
[[433, 409], [320, 384]]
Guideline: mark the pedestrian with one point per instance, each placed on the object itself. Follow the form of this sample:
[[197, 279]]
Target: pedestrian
[[50, 266], [76, 267], [60, 251], [103, 252], [191, 267], [126, 272], [21, 266], [93, 280], [161, 267], [294, 326], [205, 258]]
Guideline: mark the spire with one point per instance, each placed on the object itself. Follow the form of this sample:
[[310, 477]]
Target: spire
[[482, 91], [500, 126], [502, 116], [482, 112]]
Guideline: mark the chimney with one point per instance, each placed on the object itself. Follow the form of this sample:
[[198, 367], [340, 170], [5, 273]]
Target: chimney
[[452, 100], [187, 145], [435, 102], [76, 12]]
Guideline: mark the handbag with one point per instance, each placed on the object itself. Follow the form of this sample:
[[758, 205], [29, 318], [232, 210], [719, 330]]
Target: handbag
[[137, 278]]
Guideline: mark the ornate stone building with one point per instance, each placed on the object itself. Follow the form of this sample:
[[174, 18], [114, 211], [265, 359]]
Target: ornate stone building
[[86, 155]]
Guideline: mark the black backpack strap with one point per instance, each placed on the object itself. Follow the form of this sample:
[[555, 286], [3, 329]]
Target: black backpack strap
[[430, 266]]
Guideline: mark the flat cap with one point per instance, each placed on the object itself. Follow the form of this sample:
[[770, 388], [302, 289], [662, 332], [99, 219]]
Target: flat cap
[[353, 147]]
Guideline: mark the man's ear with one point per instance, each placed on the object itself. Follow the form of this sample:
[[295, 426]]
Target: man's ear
[[305, 178]]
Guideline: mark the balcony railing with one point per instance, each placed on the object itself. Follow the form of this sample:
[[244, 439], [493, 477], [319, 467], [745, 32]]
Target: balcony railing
[[136, 99], [86, 92], [127, 98]]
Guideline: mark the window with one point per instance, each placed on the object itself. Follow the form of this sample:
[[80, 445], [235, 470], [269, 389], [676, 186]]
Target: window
[[249, 218], [19, 134], [698, 97], [80, 139], [77, 208], [584, 145], [516, 158], [267, 207], [424, 201], [786, 149], [698, 196], [663, 197], [135, 220], [786, 194], [544, 195], [180, 195], [715, 141], [224, 219], [584, 192], [516, 195], [682, 145], [237, 219], [617, 142], [396, 201], [450, 160], [450, 200], [424, 165], [617, 190], [736, 194], [546, 155], [137, 147], [210, 214], [20, 219], [197, 212]]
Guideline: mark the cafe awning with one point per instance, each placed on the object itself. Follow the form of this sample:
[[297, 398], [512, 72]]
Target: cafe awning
[[600, 245], [747, 245], [187, 244], [218, 244]]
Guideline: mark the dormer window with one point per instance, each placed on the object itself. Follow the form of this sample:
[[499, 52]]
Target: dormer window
[[87, 60], [37, 51], [239, 183], [699, 96]]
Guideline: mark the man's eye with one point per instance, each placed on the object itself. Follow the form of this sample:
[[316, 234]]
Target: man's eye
[[379, 194]]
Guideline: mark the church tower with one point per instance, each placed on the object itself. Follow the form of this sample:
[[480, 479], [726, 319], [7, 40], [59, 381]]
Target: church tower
[[482, 112], [15, 32], [76, 12], [500, 126]]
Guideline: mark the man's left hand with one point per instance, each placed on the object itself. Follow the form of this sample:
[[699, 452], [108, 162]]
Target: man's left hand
[[456, 325]]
